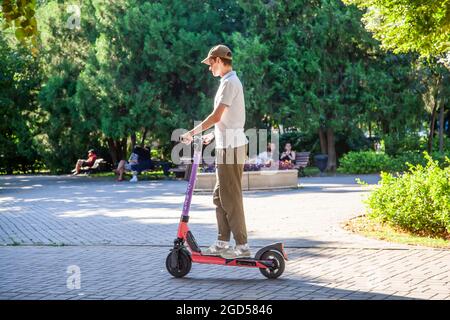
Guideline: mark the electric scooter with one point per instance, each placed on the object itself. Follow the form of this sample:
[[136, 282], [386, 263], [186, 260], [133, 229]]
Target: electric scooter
[[270, 260]]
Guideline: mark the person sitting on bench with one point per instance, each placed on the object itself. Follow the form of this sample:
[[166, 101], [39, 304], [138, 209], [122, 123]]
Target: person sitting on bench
[[287, 158], [139, 161], [85, 163], [269, 158], [288, 154]]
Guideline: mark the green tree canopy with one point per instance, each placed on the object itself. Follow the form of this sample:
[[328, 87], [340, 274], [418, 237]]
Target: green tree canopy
[[313, 66], [402, 26], [111, 74], [19, 84]]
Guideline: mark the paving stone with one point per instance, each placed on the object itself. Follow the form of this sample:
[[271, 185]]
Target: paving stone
[[120, 235]]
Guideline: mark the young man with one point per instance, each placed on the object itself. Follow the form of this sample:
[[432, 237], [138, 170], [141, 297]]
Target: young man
[[228, 118]]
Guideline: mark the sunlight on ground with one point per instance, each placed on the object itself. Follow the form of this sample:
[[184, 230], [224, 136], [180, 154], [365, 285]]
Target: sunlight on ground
[[123, 213], [9, 209], [165, 199], [6, 199]]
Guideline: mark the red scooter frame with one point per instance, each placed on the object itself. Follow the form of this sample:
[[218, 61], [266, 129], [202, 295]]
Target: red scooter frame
[[270, 260]]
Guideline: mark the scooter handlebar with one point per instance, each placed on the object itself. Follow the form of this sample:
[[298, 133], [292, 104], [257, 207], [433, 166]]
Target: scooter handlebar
[[197, 143]]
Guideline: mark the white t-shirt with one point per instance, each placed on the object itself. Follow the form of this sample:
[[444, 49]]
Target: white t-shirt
[[229, 131], [263, 157]]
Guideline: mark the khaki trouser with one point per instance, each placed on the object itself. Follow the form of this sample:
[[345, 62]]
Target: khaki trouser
[[227, 194]]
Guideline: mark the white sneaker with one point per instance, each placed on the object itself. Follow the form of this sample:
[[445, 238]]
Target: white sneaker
[[217, 249], [240, 251], [134, 179]]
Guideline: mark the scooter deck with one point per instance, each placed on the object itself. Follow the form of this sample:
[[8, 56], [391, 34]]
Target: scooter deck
[[232, 259], [244, 262]]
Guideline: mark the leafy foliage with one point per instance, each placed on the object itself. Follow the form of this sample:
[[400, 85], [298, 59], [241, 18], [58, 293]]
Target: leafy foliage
[[20, 15], [364, 162], [417, 201], [356, 162], [131, 73], [131, 69], [19, 82], [422, 26]]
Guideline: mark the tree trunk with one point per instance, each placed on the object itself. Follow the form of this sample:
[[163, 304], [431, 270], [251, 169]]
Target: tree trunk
[[117, 149], [144, 134], [323, 141], [331, 166], [133, 140], [112, 151], [436, 103], [441, 128], [431, 134], [385, 126]]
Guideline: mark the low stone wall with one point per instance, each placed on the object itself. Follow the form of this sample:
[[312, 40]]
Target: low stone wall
[[253, 180]]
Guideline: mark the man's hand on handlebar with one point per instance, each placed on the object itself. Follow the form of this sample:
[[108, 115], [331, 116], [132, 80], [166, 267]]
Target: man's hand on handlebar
[[207, 138], [186, 138]]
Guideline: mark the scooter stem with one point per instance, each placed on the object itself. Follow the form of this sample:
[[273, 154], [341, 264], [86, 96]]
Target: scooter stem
[[190, 189]]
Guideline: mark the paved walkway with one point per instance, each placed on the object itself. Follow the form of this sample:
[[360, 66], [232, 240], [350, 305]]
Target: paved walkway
[[118, 235]]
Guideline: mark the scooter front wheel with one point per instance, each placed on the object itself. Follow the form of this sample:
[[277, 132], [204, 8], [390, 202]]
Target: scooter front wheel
[[178, 263], [279, 264]]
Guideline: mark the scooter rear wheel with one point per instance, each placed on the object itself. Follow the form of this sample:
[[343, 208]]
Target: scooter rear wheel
[[183, 265], [278, 269]]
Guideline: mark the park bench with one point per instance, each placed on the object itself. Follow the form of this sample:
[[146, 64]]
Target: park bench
[[158, 165], [99, 165], [183, 170], [301, 160]]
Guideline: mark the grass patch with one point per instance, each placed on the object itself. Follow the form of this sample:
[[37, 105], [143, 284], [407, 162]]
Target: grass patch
[[311, 172], [373, 229], [28, 172]]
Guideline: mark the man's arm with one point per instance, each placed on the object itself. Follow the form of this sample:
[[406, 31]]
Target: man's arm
[[210, 120]]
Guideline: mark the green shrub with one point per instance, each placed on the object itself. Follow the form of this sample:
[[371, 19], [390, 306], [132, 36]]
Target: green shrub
[[441, 158], [446, 143], [364, 162], [401, 162], [417, 201], [373, 162], [399, 144]]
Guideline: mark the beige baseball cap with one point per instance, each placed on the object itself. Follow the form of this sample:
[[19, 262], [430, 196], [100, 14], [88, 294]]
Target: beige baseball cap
[[219, 51]]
